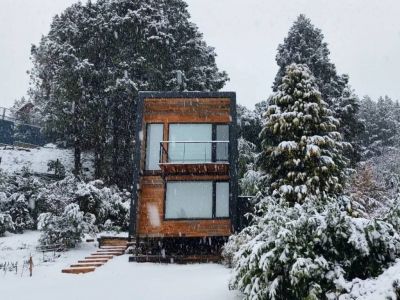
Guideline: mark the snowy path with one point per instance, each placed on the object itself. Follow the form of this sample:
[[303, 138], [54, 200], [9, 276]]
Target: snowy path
[[117, 279]]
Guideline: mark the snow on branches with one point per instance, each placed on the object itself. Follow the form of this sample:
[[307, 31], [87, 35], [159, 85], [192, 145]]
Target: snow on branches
[[302, 150]]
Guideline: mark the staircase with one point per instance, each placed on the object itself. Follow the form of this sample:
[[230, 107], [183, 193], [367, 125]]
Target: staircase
[[97, 259]]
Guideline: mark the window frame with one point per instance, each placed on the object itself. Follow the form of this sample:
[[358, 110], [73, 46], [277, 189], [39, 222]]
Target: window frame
[[214, 200]]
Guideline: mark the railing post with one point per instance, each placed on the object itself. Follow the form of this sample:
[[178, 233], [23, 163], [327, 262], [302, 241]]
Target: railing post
[[184, 152]]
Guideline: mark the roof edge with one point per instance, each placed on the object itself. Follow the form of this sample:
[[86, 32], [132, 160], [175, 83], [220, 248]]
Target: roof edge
[[187, 94]]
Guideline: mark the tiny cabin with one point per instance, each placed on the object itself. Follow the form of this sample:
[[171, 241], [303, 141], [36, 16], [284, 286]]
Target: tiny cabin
[[185, 172]]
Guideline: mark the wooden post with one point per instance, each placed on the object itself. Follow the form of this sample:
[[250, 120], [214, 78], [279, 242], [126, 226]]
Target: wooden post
[[30, 266]]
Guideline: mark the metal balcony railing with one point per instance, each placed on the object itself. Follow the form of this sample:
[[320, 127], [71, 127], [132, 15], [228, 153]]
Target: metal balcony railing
[[193, 152]]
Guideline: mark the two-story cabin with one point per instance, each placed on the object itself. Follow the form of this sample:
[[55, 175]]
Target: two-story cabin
[[185, 172]]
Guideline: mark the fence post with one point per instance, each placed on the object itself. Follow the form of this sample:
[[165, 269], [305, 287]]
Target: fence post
[[30, 266]]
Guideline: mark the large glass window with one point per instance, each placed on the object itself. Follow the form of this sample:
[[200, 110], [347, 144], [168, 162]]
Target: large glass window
[[222, 148], [190, 152], [222, 199], [154, 137], [189, 199], [195, 200]]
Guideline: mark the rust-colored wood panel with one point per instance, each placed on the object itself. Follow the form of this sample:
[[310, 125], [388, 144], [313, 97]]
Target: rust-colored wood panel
[[162, 103], [185, 110], [196, 177], [210, 117]]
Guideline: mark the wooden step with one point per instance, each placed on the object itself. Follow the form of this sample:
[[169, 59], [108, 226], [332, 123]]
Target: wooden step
[[111, 251], [103, 254], [87, 264], [113, 247], [100, 257], [112, 241], [78, 270], [103, 261]]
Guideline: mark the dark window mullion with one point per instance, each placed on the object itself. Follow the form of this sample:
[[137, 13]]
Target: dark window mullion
[[213, 145]]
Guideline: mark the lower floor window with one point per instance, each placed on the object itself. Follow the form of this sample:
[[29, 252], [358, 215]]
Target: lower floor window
[[196, 200]]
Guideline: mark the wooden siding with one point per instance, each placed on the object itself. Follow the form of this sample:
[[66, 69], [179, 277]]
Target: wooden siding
[[151, 208]]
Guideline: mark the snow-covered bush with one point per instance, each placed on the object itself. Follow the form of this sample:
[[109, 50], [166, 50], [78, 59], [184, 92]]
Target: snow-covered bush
[[106, 203], [92, 197], [307, 251], [55, 196], [21, 215], [6, 223], [67, 229]]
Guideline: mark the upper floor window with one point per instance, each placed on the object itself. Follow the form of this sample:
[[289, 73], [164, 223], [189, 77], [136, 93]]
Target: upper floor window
[[196, 143], [190, 143]]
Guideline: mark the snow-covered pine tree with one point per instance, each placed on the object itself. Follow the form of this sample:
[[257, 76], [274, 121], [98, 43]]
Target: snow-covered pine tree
[[88, 69], [301, 243], [305, 44], [302, 150]]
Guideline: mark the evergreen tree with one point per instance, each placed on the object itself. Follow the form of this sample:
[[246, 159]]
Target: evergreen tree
[[302, 151], [381, 121], [249, 125], [346, 109], [89, 68], [305, 45]]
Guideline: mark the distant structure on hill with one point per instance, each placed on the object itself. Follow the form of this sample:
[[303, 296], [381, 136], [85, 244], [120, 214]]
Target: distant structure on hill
[[18, 127]]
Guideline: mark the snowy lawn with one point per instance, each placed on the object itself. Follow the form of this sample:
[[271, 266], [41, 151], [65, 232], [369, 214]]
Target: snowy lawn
[[115, 280], [13, 160]]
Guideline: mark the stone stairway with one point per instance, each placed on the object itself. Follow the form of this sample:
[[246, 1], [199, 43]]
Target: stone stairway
[[95, 260]]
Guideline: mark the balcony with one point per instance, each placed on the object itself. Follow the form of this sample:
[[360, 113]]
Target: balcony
[[194, 157]]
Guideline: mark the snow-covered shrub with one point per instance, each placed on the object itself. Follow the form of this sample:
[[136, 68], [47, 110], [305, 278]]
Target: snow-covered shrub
[[6, 223], [396, 288], [21, 215], [106, 203], [67, 229], [55, 196], [307, 251]]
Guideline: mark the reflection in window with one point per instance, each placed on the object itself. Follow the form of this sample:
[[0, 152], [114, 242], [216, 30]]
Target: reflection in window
[[190, 152], [154, 137], [222, 148], [222, 199], [188, 199]]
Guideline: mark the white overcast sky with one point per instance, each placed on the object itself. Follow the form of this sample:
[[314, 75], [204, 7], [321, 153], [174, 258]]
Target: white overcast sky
[[363, 37]]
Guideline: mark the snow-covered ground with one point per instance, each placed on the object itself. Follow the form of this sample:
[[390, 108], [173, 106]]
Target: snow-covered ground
[[375, 288], [118, 279], [13, 160]]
